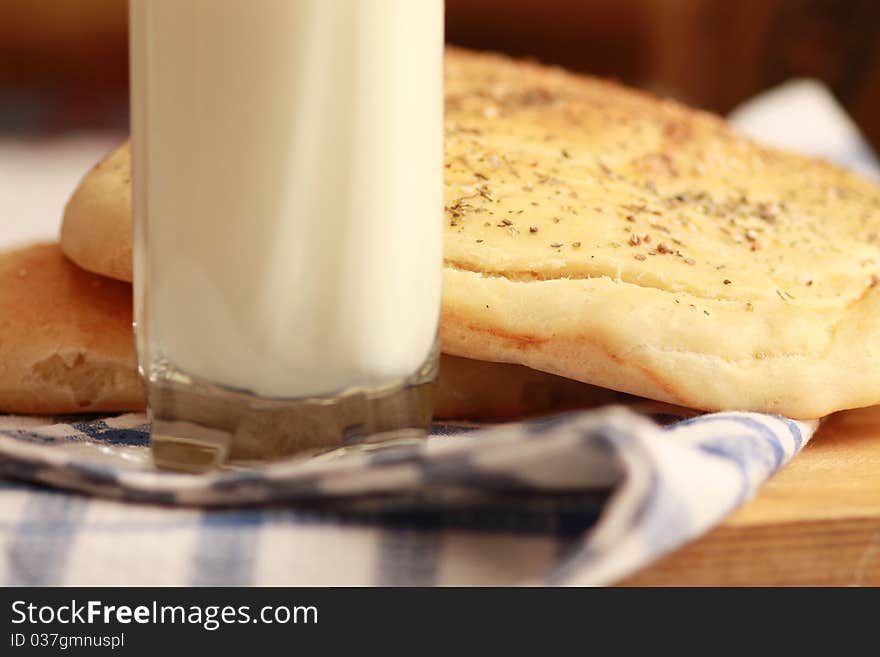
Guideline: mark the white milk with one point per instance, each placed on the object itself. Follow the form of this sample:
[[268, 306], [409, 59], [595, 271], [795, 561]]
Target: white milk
[[288, 184]]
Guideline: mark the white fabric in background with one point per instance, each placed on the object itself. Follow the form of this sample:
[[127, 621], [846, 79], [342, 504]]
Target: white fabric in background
[[36, 179]]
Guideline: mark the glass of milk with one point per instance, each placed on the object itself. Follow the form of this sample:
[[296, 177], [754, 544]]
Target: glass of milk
[[287, 162]]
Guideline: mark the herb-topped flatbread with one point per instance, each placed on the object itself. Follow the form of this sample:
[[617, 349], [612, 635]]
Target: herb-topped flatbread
[[610, 237]]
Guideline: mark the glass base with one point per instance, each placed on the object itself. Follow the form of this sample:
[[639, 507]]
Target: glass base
[[199, 426]]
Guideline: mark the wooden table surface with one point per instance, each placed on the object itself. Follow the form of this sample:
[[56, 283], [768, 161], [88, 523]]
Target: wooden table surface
[[814, 523]]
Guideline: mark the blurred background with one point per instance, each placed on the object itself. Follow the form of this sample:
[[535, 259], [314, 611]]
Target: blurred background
[[63, 63]]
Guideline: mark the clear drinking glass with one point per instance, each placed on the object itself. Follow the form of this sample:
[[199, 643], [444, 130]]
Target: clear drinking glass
[[287, 192]]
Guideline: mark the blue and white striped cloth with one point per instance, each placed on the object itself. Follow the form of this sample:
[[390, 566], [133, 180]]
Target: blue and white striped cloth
[[584, 498]]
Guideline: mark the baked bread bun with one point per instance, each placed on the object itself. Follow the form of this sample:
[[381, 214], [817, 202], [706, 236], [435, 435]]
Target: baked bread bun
[[96, 228], [66, 342], [612, 238]]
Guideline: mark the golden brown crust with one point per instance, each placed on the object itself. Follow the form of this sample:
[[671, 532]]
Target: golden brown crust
[[66, 342], [96, 230]]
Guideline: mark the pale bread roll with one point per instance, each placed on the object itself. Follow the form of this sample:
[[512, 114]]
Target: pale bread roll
[[612, 238], [66, 342], [96, 228]]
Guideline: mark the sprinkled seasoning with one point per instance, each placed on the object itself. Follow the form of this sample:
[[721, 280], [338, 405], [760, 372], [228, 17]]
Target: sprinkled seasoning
[[689, 222]]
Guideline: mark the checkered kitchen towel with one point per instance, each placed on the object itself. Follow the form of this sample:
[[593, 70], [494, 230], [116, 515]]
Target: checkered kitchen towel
[[583, 498]]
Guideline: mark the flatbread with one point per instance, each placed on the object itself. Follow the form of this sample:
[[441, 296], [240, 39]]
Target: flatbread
[[66, 342], [606, 236], [632, 243]]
